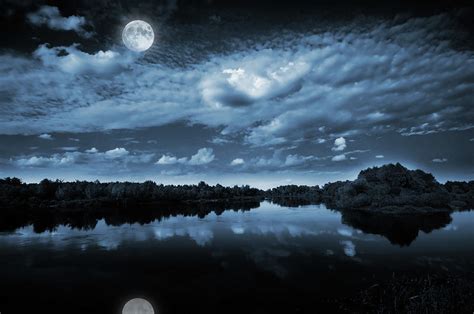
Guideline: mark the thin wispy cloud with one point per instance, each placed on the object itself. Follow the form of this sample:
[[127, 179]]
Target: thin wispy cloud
[[51, 17]]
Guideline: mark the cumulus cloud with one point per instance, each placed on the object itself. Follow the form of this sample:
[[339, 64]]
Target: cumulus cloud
[[339, 144], [52, 161], [258, 79], [170, 160], [440, 160], [341, 157], [202, 157], [118, 152], [51, 17], [45, 136], [90, 156], [237, 162], [400, 75]]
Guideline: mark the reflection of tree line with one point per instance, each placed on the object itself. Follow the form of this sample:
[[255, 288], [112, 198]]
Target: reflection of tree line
[[50, 219], [401, 229], [398, 228], [389, 200]]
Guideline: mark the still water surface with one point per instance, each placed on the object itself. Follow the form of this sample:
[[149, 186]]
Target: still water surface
[[266, 260]]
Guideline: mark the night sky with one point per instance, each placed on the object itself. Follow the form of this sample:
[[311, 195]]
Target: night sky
[[238, 92]]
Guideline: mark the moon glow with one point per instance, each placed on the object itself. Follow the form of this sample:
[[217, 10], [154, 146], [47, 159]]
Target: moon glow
[[138, 35], [138, 306]]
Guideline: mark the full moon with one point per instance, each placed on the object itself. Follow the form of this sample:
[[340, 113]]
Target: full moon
[[138, 36], [138, 306]]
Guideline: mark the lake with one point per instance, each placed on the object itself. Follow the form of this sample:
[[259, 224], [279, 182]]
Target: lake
[[269, 259]]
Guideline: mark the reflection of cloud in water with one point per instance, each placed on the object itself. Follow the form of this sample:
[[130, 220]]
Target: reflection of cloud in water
[[267, 258], [237, 229], [281, 221], [451, 227], [329, 252], [104, 236], [200, 234], [345, 232], [268, 220], [349, 248]]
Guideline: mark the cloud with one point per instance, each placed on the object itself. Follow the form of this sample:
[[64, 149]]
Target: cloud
[[51, 17], [69, 148], [45, 136], [202, 157], [72, 60], [91, 156], [171, 160], [237, 162], [294, 159], [118, 152], [339, 157], [379, 156], [365, 77], [259, 79], [52, 161], [440, 160], [93, 150], [278, 160], [220, 141], [339, 144]]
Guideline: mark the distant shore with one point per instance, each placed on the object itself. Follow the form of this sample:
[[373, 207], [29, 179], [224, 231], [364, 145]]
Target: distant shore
[[390, 189]]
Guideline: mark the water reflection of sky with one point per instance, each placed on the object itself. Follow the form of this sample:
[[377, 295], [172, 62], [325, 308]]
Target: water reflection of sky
[[282, 229]]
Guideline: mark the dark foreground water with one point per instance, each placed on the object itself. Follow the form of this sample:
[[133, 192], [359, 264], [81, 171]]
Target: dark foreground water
[[270, 259]]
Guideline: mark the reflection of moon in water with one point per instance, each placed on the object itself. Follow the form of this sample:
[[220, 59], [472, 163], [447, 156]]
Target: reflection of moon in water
[[138, 306], [138, 35]]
